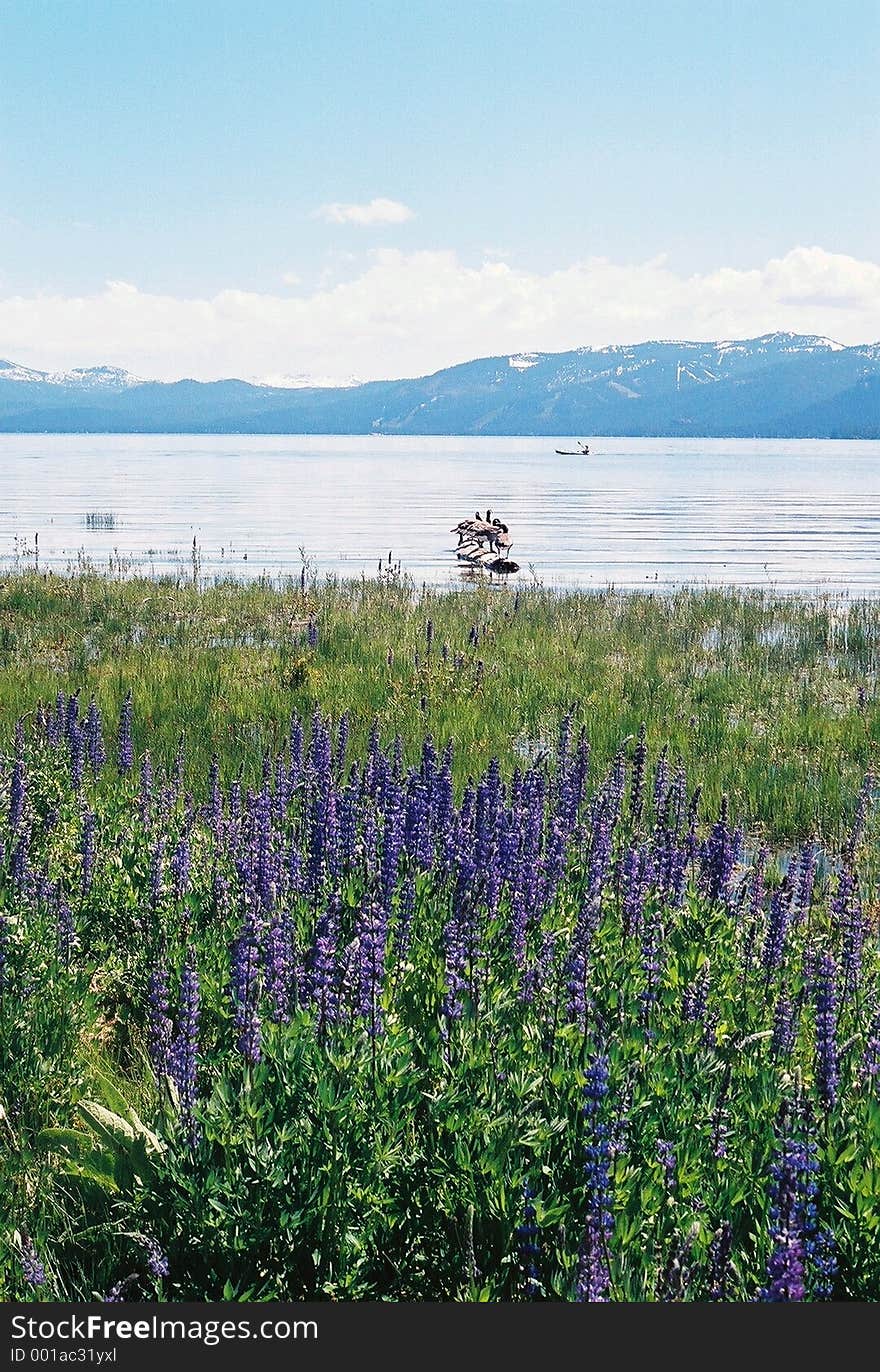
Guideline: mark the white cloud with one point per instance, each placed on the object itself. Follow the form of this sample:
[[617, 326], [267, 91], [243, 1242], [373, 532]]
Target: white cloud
[[378, 211], [291, 278], [405, 314]]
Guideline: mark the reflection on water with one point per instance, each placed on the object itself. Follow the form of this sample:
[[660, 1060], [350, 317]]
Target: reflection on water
[[635, 513]]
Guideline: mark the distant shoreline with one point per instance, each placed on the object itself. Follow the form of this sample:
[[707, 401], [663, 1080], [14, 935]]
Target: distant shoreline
[[781, 385], [338, 433]]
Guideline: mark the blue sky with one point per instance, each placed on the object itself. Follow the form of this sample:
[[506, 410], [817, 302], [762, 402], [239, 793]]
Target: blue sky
[[188, 152]]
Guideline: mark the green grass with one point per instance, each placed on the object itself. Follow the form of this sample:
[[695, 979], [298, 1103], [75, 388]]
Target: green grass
[[382, 1153], [759, 693]]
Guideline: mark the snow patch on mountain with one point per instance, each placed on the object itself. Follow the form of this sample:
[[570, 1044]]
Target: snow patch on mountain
[[84, 378], [11, 371], [302, 381], [95, 378]]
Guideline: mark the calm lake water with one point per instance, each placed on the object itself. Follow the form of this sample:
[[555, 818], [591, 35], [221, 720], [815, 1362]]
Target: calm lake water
[[637, 512]]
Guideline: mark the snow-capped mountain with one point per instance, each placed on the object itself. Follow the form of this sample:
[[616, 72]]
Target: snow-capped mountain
[[779, 385], [85, 378]]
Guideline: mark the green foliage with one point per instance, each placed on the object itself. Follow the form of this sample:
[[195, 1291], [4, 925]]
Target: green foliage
[[348, 1166], [756, 692]]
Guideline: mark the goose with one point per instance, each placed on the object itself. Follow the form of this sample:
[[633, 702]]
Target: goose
[[481, 532], [465, 525], [502, 542], [473, 532]]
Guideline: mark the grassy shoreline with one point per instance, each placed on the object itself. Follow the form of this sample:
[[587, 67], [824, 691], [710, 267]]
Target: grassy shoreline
[[771, 699]]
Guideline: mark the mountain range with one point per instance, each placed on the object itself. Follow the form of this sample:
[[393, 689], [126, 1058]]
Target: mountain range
[[781, 385]]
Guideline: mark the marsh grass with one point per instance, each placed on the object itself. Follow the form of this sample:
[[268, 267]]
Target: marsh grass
[[771, 699]]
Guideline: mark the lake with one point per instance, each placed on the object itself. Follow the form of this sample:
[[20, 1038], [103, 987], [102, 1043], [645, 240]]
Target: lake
[[789, 516]]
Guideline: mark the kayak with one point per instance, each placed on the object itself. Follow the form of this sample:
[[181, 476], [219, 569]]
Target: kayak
[[573, 452]]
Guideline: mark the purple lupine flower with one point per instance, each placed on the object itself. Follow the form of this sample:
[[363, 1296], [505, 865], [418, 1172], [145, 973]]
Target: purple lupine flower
[[392, 847], [792, 1212], [348, 981], [220, 893], [785, 1270], [312, 632], [527, 1242], [593, 1272], [444, 807], [577, 968], [637, 782], [667, 1160], [677, 1274], [32, 1267], [4, 943], [19, 867], [538, 973], [652, 963], [185, 1047], [823, 1265], [693, 813], [455, 949], [369, 842], [321, 966], [71, 717], [720, 856], [637, 874], [773, 952], [159, 1020], [405, 911], [17, 783], [661, 780], [825, 993], [157, 1262], [280, 966], [95, 738], [847, 912], [592, 1269], [118, 1289], [784, 1028], [67, 938], [76, 745], [754, 905], [720, 1276], [806, 880], [180, 869], [695, 997], [245, 987], [870, 1065], [372, 936], [347, 821], [397, 757], [124, 744], [88, 851]]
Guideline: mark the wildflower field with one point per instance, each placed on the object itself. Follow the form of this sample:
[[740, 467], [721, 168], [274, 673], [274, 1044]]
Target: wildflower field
[[358, 942]]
